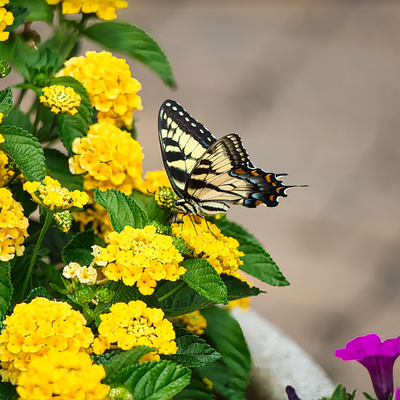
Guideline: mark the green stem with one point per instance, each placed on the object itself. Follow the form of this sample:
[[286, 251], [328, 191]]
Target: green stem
[[21, 97], [175, 289], [47, 223], [37, 119], [16, 174]]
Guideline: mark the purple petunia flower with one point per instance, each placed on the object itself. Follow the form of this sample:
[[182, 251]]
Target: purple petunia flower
[[378, 357], [396, 394]]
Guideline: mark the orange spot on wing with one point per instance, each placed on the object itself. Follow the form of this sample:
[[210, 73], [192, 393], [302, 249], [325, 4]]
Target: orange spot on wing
[[259, 202], [239, 171], [255, 173], [272, 197], [268, 178], [280, 188], [274, 183]]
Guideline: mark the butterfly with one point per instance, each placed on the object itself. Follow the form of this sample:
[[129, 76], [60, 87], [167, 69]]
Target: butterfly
[[208, 175]]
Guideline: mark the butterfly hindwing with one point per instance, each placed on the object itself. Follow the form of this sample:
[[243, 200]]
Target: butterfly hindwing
[[224, 174], [183, 141]]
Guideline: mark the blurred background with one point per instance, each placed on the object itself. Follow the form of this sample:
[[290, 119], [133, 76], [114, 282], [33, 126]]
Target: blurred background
[[313, 89]]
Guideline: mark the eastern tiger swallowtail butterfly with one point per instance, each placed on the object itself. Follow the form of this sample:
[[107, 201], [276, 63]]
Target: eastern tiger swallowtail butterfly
[[209, 174]]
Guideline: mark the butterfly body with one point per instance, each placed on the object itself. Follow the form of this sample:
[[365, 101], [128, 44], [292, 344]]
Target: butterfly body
[[208, 175]]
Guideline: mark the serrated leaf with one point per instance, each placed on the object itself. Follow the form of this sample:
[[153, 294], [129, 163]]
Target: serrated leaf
[[257, 262], [122, 360], [193, 351], [57, 163], [6, 101], [6, 289], [7, 391], [133, 41], [201, 276], [25, 151], [38, 292], [184, 301], [150, 206], [79, 249], [229, 375], [123, 209], [153, 380], [238, 289]]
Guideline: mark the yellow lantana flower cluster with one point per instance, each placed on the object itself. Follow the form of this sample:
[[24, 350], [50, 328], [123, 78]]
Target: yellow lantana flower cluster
[[135, 324], [13, 226], [51, 195], [5, 173], [110, 86], [66, 375], [141, 257], [83, 274], [209, 243], [6, 19], [158, 184], [1, 120], [60, 99], [104, 9], [193, 322], [36, 328], [109, 157]]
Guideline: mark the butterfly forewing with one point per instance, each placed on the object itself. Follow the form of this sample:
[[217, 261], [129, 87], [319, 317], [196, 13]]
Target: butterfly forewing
[[183, 141], [225, 174]]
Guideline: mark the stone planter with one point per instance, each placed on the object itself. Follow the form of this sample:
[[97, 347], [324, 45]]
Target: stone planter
[[278, 361]]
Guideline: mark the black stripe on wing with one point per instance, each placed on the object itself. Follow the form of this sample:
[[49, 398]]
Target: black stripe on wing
[[183, 141], [225, 174]]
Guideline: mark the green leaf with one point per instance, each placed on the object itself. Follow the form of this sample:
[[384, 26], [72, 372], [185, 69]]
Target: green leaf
[[74, 126], [39, 10], [153, 380], [201, 276], [122, 360], [6, 101], [193, 351], [129, 39], [6, 289], [340, 393], [25, 151], [20, 14], [150, 206], [7, 391], [123, 209], [24, 57], [57, 163], [24, 198], [17, 117], [238, 289], [197, 390], [229, 375], [38, 292], [184, 301], [79, 249], [257, 262]]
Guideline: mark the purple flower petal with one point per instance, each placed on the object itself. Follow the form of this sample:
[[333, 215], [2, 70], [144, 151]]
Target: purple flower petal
[[397, 394], [291, 393], [377, 357]]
